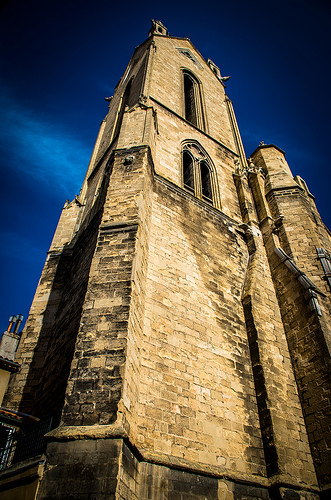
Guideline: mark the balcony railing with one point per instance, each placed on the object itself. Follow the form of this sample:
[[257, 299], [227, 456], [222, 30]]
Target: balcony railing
[[18, 445]]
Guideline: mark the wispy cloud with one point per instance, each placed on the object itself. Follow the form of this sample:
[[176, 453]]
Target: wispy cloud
[[46, 151], [21, 248]]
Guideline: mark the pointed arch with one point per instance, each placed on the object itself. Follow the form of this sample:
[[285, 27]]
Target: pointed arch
[[199, 174], [192, 99]]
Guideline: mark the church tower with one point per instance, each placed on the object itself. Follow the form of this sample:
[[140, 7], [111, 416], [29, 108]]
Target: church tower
[[180, 333]]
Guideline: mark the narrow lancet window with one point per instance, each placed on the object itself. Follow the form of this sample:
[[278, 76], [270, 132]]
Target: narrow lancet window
[[188, 172], [193, 109], [206, 182], [190, 99]]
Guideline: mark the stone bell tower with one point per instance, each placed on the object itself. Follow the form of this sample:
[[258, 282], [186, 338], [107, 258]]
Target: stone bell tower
[[180, 332]]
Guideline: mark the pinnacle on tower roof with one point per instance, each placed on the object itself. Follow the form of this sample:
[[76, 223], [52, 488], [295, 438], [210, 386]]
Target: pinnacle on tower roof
[[158, 29]]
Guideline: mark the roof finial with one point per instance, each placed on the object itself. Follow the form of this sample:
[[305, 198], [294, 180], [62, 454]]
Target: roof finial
[[158, 29]]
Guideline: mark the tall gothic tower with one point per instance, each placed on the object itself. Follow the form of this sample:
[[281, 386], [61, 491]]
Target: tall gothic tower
[[180, 333]]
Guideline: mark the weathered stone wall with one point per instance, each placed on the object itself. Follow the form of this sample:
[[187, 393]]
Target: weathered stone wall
[[299, 232], [81, 470], [108, 468], [96, 379], [196, 390]]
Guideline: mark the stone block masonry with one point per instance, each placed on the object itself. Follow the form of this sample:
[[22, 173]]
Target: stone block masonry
[[300, 232]]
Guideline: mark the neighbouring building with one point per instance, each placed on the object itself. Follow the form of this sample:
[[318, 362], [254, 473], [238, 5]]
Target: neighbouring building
[[178, 345], [8, 346]]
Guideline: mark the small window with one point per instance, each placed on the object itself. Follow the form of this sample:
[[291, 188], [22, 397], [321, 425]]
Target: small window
[[205, 181], [190, 105], [193, 111], [188, 172], [198, 173]]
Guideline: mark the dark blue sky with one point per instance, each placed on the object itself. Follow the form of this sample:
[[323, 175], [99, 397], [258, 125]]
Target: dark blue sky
[[59, 59]]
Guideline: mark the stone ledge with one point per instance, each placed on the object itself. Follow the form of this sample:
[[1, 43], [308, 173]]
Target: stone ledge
[[202, 204], [71, 433], [130, 225]]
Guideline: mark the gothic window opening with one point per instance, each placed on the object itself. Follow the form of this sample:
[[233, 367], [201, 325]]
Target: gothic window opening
[[198, 174], [188, 173], [193, 111], [205, 181], [190, 107]]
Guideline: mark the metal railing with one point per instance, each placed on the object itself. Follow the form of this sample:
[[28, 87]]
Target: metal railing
[[18, 445], [7, 434]]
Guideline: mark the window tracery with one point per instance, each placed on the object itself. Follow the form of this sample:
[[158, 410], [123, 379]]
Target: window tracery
[[198, 175], [188, 53]]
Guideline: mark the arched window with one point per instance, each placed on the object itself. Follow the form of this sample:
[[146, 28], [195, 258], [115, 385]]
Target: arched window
[[198, 176], [188, 172], [193, 111], [206, 181], [190, 99]]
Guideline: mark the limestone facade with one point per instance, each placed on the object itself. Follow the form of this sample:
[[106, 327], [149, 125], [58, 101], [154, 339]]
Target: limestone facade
[[180, 332]]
